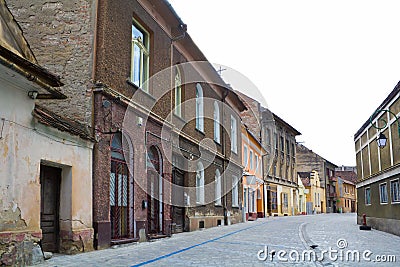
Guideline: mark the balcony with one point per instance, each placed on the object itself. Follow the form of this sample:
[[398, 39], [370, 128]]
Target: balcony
[[332, 194]]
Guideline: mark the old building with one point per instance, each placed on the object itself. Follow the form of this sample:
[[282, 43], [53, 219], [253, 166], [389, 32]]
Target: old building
[[46, 163], [315, 192], [345, 187], [378, 171], [346, 195], [301, 196], [253, 183], [128, 71], [278, 138], [307, 161]]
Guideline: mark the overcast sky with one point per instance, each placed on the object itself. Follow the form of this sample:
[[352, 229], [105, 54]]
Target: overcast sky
[[322, 66]]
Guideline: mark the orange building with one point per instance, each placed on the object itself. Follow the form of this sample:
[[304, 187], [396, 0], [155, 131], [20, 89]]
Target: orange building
[[346, 195], [253, 193]]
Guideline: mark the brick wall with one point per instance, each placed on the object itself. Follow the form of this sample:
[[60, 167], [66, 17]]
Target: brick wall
[[60, 33]]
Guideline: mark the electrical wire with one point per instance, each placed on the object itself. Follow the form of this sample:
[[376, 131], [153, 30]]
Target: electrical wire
[[49, 136]]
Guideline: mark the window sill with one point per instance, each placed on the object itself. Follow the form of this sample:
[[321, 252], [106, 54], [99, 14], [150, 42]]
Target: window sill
[[218, 205], [200, 131], [235, 207], [179, 118], [128, 81]]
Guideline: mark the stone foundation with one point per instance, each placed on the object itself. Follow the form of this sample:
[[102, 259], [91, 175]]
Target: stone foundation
[[76, 241], [20, 248], [382, 224]]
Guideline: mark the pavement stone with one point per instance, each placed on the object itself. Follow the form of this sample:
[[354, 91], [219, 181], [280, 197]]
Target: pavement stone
[[238, 244]]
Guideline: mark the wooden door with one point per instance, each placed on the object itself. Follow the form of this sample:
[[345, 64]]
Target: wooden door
[[178, 201], [50, 179]]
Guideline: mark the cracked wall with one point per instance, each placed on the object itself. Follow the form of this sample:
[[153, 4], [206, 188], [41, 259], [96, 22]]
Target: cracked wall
[[24, 146]]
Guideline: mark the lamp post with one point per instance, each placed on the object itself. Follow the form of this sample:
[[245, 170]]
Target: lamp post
[[382, 138]]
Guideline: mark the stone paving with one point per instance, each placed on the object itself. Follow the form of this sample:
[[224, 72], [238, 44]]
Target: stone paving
[[239, 245]]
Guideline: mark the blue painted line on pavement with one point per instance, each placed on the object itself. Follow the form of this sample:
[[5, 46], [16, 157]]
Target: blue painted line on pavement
[[194, 246]]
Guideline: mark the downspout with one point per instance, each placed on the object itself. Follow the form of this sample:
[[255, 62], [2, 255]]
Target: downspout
[[223, 161], [172, 86]]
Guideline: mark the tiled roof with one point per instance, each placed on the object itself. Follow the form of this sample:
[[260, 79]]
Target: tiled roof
[[48, 118]]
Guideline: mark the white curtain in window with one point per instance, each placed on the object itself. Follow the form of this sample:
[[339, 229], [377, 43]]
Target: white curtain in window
[[199, 108]]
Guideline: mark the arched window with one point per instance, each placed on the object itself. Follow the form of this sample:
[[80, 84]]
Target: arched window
[[200, 184], [178, 93], [218, 188], [199, 108], [217, 127]]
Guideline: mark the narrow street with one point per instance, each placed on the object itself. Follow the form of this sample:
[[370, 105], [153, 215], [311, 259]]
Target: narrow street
[[240, 245]]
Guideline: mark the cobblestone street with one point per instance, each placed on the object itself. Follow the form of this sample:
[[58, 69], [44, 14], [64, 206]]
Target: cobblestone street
[[240, 244]]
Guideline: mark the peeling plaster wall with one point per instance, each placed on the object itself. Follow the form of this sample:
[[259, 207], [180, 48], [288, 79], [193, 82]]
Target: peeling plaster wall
[[24, 146]]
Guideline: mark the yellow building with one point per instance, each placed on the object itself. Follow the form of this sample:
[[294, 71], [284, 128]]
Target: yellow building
[[301, 196], [315, 193], [346, 196], [253, 197]]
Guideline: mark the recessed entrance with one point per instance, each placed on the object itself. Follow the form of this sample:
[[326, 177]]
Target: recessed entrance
[[50, 180]]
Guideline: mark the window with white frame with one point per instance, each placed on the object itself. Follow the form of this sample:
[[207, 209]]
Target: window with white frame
[[218, 188], [178, 93], [234, 133], [251, 200], [235, 191], [217, 128], [368, 196], [200, 184], [140, 56], [199, 108], [245, 156], [383, 195], [251, 159], [395, 190]]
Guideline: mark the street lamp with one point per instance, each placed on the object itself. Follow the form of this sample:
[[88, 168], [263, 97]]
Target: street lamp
[[382, 138]]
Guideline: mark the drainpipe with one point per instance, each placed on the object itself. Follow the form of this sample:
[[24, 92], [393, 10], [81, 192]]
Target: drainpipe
[[224, 155], [183, 27]]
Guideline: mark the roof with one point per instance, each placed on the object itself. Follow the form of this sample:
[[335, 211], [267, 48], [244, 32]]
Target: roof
[[46, 117], [196, 52], [257, 140], [276, 117], [303, 174], [301, 147], [16, 54], [349, 176], [287, 125], [385, 102]]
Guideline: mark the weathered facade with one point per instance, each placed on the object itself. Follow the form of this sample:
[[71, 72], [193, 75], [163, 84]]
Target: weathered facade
[[120, 61], [46, 173], [307, 161], [378, 169], [346, 195], [253, 183], [315, 192], [278, 139]]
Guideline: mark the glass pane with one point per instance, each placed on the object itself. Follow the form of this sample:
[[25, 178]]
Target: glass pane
[[136, 65], [136, 33]]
